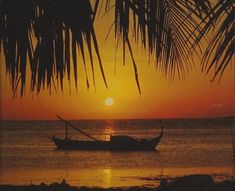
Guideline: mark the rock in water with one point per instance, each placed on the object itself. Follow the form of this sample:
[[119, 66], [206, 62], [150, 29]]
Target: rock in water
[[197, 182]]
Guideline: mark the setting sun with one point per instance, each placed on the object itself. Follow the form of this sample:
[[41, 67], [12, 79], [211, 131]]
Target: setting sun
[[108, 101]]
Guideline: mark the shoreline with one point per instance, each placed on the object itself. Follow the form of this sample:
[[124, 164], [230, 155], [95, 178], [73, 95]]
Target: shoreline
[[194, 182]]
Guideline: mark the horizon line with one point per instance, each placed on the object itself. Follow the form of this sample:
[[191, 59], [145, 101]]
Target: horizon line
[[94, 119]]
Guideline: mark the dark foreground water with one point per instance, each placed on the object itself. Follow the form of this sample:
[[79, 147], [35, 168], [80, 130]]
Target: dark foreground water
[[188, 146]]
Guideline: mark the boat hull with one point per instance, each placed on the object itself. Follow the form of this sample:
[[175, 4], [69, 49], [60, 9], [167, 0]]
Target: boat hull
[[135, 145]]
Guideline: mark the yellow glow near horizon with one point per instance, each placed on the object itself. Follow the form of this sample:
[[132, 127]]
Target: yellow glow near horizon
[[109, 101]]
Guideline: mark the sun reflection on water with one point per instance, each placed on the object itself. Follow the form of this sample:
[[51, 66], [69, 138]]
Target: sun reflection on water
[[107, 177], [108, 130]]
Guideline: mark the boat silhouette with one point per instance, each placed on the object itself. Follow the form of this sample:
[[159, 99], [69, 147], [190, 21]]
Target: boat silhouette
[[116, 143]]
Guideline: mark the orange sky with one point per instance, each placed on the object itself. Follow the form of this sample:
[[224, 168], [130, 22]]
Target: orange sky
[[196, 96]]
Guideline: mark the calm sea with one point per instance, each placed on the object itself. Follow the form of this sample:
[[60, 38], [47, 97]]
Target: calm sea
[[188, 146]]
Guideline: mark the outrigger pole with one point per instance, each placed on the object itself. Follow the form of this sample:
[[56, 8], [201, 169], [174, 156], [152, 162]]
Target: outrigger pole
[[67, 123]]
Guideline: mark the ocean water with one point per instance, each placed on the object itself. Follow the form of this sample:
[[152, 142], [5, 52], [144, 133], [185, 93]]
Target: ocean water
[[188, 146]]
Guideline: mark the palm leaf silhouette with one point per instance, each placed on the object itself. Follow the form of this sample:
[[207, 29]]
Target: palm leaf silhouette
[[220, 50], [47, 33], [167, 28]]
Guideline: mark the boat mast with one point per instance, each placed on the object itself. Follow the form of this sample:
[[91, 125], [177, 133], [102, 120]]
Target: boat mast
[[161, 123], [74, 127], [66, 131]]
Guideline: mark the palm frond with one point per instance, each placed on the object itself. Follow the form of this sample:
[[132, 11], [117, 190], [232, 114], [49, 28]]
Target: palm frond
[[167, 28], [47, 33], [220, 50]]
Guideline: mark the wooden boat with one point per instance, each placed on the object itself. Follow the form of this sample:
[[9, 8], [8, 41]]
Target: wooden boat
[[116, 143]]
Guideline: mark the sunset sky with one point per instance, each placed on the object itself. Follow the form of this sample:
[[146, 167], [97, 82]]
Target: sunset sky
[[162, 97]]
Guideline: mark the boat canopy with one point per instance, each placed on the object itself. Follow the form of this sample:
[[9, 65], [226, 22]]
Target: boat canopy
[[121, 138]]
